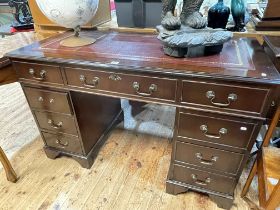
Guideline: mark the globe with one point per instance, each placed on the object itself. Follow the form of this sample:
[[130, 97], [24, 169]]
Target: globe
[[70, 14]]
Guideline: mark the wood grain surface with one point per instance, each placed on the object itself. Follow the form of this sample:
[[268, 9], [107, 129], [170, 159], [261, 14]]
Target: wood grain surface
[[123, 177]]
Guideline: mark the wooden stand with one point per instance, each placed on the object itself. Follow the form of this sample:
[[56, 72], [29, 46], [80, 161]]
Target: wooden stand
[[10, 173], [46, 28], [258, 168], [270, 21]]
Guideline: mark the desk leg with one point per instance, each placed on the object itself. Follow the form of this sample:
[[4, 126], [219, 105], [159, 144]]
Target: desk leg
[[222, 202], [10, 173], [175, 189]]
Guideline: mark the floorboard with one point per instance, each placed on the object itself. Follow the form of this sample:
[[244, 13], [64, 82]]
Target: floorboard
[[129, 172]]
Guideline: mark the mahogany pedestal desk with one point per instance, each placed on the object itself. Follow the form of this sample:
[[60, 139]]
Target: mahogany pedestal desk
[[221, 101]]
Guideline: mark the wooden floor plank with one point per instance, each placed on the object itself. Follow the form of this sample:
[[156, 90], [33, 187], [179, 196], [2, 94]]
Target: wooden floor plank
[[45, 184], [77, 197], [102, 192], [149, 163], [131, 178], [129, 173], [27, 169]]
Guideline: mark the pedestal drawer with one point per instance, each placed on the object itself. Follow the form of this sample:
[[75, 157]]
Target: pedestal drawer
[[206, 157], [56, 122], [48, 100], [159, 88], [218, 129], [39, 72], [225, 96], [63, 142], [203, 179]]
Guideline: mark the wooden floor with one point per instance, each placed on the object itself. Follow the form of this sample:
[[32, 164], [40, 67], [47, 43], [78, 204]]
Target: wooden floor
[[129, 173]]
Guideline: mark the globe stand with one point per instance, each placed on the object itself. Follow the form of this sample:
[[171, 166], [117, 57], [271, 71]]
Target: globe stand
[[77, 40]]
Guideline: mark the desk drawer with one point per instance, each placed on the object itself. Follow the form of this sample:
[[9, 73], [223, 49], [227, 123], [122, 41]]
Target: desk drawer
[[225, 96], [203, 179], [56, 122], [206, 157], [216, 129], [63, 142], [38, 72], [122, 83], [48, 100]]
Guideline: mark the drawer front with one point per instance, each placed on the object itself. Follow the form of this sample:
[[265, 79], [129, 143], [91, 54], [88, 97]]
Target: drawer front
[[63, 142], [48, 100], [56, 122], [203, 179], [217, 130], [206, 157], [38, 72], [222, 96], [122, 83]]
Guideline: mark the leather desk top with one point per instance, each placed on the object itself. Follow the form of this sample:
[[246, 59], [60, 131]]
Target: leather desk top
[[241, 59]]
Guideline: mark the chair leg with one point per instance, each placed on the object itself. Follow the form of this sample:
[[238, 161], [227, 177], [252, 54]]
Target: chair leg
[[274, 199], [10, 173], [265, 143], [271, 128], [249, 180]]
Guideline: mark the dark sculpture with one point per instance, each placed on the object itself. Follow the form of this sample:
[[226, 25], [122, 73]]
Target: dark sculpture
[[218, 15], [187, 35], [22, 14], [238, 13]]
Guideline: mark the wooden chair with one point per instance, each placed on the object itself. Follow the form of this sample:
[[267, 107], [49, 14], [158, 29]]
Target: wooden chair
[[10, 173], [7, 75], [267, 165]]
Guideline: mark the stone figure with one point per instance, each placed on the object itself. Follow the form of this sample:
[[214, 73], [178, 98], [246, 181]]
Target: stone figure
[[190, 15], [187, 35]]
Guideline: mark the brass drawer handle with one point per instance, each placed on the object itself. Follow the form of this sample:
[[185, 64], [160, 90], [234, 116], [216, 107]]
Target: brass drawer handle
[[42, 74], [55, 126], [95, 81], [41, 99], [136, 86], [58, 141], [222, 131], [115, 77], [200, 182], [231, 98], [211, 162]]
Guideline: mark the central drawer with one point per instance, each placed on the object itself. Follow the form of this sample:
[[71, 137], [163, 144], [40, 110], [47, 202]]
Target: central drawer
[[216, 129], [203, 179], [154, 87], [48, 100], [206, 157]]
